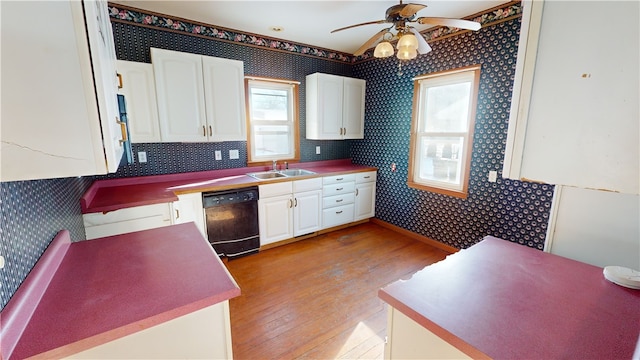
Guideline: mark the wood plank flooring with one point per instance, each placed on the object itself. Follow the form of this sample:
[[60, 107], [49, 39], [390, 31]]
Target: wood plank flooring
[[317, 298]]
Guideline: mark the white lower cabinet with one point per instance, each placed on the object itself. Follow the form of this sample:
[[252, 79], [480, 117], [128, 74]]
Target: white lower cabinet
[[338, 196], [127, 220], [189, 208], [365, 197], [203, 334], [406, 339], [289, 209]]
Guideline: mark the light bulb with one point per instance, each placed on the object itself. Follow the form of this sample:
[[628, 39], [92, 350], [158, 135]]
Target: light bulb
[[407, 53], [409, 40], [383, 49]]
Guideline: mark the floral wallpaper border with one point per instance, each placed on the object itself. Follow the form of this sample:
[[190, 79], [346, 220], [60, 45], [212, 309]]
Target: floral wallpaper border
[[121, 13]]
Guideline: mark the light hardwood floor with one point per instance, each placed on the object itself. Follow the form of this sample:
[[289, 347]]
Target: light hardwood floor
[[317, 298]]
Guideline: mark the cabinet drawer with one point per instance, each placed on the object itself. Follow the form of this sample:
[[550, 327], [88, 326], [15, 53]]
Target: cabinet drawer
[[337, 200], [337, 189], [281, 188], [126, 220], [337, 179], [337, 216], [369, 176], [307, 185]]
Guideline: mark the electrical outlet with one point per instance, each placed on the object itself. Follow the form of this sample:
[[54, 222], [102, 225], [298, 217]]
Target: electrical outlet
[[233, 154], [317, 149], [142, 156], [1, 262], [493, 176], [218, 154]]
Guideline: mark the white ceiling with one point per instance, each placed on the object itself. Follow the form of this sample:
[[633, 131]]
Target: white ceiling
[[306, 22]]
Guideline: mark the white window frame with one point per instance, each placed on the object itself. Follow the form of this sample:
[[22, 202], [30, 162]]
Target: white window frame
[[469, 74], [291, 122]]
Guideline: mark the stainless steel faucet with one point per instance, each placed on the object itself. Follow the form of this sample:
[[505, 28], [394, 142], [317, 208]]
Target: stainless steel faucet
[[275, 165]]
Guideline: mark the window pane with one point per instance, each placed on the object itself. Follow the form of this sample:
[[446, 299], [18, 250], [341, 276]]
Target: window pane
[[269, 104], [447, 108], [272, 140], [440, 160]]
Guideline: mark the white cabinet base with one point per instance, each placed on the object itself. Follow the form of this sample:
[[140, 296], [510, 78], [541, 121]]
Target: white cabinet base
[[406, 339], [203, 334]]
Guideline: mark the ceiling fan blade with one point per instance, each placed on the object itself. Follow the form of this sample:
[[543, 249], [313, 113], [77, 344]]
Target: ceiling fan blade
[[411, 9], [423, 46], [370, 42], [457, 23], [366, 23]]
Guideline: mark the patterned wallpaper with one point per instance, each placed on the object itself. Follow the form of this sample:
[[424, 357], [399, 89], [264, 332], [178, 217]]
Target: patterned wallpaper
[[31, 214], [513, 210]]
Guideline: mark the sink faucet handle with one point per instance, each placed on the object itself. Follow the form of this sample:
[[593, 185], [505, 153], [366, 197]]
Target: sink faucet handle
[[275, 165], [286, 165]]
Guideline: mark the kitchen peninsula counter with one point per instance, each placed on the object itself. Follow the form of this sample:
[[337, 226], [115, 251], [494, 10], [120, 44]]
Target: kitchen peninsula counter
[[503, 300], [114, 194], [86, 294]]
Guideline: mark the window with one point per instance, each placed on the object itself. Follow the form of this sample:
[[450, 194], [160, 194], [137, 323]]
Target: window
[[272, 112], [444, 110]]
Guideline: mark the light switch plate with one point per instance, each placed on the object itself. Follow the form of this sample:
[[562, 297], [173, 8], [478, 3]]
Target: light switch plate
[[233, 154], [493, 176], [317, 149], [142, 156], [218, 154]]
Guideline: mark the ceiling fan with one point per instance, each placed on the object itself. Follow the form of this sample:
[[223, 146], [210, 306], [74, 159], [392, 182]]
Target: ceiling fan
[[401, 16]]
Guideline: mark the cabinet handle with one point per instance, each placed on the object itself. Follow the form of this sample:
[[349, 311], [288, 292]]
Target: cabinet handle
[[356, 192], [295, 202], [123, 130], [339, 189], [177, 214], [339, 179], [290, 203], [210, 131], [366, 177], [119, 80], [339, 200], [204, 130], [339, 212]]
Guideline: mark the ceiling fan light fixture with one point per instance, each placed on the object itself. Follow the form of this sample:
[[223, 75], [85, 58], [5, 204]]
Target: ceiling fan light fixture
[[383, 50], [407, 53], [408, 40]]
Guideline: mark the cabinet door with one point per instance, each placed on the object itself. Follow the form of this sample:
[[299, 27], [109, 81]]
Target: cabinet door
[[575, 108], [139, 89], [365, 201], [306, 212], [189, 208], [103, 60], [50, 121], [180, 94], [275, 216], [353, 108], [324, 106], [224, 99]]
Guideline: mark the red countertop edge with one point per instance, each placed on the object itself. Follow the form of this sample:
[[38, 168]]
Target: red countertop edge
[[16, 314], [45, 275], [403, 295], [156, 189]]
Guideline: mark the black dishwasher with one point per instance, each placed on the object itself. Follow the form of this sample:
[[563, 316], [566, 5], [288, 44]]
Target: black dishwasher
[[232, 221]]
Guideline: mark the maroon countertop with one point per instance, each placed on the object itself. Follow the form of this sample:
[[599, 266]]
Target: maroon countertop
[[502, 300], [114, 194], [83, 294]]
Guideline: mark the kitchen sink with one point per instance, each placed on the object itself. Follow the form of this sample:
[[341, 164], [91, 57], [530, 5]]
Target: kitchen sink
[[296, 172], [268, 175]]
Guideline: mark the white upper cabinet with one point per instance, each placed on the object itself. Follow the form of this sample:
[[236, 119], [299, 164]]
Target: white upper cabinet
[[59, 100], [335, 107], [139, 90], [200, 98], [575, 108]]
